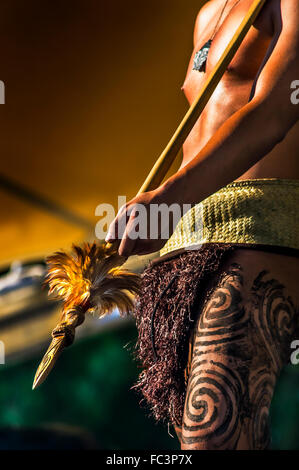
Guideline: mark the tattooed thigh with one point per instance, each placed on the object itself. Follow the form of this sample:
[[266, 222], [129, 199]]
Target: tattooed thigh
[[241, 341]]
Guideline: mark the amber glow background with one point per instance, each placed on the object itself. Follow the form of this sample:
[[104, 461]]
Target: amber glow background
[[92, 98]]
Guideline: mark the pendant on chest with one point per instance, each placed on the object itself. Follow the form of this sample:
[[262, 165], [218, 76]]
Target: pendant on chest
[[201, 57]]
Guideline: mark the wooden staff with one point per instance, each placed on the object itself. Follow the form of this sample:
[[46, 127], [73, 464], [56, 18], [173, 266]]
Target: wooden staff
[[98, 267]]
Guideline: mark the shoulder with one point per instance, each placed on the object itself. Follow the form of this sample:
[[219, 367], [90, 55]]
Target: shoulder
[[207, 12], [205, 16]]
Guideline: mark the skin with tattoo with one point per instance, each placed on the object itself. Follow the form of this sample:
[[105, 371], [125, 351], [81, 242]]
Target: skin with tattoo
[[241, 341], [249, 130]]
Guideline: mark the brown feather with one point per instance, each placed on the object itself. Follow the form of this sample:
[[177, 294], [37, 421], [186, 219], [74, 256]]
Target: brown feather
[[92, 274]]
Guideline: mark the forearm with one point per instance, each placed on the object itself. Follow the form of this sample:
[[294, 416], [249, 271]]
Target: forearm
[[239, 143]]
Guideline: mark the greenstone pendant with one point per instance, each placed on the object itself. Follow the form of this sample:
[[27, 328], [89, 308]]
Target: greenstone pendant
[[200, 58]]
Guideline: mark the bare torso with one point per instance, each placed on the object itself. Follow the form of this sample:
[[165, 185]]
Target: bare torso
[[237, 84]]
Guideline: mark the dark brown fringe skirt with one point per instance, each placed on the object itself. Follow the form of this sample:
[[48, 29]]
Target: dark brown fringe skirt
[[172, 291]]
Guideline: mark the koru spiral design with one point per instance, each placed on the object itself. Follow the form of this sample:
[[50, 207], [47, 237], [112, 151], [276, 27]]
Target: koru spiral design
[[240, 345]]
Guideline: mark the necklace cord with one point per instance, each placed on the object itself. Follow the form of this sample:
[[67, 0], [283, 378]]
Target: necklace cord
[[221, 15]]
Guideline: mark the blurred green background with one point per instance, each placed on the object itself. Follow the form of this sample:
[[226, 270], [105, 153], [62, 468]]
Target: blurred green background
[[89, 390], [89, 393]]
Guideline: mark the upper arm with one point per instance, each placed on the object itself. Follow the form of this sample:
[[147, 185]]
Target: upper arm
[[281, 66]]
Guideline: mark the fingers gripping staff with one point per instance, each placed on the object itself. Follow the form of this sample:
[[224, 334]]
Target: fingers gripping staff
[[91, 277]]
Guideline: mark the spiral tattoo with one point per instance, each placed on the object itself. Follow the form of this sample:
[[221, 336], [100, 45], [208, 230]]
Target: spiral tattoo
[[240, 344]]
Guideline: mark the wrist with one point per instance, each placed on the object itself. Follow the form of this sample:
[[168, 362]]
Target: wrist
[[177, 189]]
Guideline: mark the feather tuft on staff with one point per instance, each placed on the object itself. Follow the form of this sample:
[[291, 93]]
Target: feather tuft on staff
[[89, 279], [92, 276]]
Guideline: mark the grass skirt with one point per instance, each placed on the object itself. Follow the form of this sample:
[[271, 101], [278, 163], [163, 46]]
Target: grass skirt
[[172, 293]]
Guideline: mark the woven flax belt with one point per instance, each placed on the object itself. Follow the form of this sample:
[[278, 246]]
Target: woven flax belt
[[260, 211]]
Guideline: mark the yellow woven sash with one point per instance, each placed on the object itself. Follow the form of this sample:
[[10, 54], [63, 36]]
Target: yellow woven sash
[[259, 211]]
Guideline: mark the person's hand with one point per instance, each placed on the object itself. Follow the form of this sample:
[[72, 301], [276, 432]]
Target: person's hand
[[145, 223], [134, 228]]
